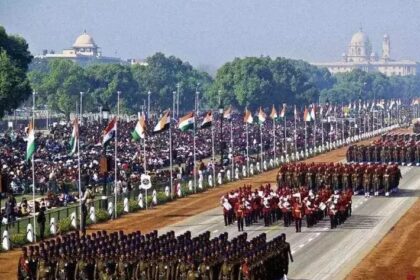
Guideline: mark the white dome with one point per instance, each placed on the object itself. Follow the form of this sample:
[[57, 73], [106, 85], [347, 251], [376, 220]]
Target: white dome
[[359, 39], [84, 41]]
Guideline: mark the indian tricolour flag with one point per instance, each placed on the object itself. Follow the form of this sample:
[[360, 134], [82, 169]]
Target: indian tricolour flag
[[74, 137], [306, 115], [109, 131], [283, 111], [186, 122], [261, 116], [227, 114], [273, 114], [31, 147], [163, 123], [208, 119], [140, 129], [248, 116]]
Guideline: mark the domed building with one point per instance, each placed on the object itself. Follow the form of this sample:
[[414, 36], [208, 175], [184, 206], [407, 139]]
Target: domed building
[[83, 51], [359, 55]]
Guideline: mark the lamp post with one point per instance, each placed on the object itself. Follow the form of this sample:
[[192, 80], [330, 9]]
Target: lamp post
[[197, 93], [81, 108], [100, 114], [221, 128], [173, 104], [178, 85], [148, 103], [33, 108]]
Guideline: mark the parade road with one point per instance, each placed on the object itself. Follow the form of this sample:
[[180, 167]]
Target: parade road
[[319, 252]]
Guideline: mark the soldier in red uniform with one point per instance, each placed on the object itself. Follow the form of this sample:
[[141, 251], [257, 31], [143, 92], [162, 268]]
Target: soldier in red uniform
[[240, 213], [297, 209]]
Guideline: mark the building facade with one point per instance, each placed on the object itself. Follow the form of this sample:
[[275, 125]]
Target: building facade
[[359, 55], [83, 51]]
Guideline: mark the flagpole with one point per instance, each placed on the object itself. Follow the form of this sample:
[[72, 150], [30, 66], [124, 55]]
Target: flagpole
[[313, 108], [274, 138], [306, 137], [322, 130], [115, 152], [247, 145], [212, 151], [77, 136], [33, 164], [261, 147], [285, 130], [170, 157], [295, 136], [194, 159], [231, 145]]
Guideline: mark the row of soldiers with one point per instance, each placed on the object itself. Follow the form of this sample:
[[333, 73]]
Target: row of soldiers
[[404, 154], [149, 257], [291, 205], [367, 178]]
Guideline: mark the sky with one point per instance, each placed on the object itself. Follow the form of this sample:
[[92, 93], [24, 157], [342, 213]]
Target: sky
[[212, 32]]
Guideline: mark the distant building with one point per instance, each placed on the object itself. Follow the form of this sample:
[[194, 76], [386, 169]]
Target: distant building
[[83, 51], [360, 56]]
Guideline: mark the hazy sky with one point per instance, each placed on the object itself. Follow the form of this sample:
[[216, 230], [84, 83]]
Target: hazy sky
[[215, 31]]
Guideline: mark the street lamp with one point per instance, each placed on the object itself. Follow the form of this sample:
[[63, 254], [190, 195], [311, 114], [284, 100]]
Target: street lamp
[[173, 104], [178, 85], [148, 103], [81, 108], [33, 108], [221, 128], [197, 102], [100, 114]]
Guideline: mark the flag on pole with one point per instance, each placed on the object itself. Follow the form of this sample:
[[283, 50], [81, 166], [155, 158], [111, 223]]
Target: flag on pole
[[208, 119], [74, 137], [313, 112], [186, 122], [139, 131], [227, 114], [273, 114], [31, 147], [248, 116], [163, 123], [306, 115], [109, 131], [261, 116], [283, 111]]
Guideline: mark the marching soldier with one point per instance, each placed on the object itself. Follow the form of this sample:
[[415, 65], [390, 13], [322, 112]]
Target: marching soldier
[[226, 270], [285, 254], [366, 182], [43, 268], [100, 265], [205, 271], [81, 269], [297, 209], [24, 272], [62, 270]]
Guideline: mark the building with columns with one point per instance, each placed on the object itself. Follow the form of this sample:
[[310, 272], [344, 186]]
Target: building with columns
[[360, 55], [84, 51]]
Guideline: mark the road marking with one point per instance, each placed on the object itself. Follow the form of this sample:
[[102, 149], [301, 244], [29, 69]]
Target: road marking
[[214, 231], [310, 239], [301, 245]]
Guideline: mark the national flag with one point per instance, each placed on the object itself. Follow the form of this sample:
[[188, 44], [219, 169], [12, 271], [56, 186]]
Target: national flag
[[163, 123], [74, 139], [261, 116], [227, 114], [31, 147], [283, 111], [186, 122], [248, 116], [109, 131], [208, 120], [273, 114], [313, 113], [139, 131], [306, 115]]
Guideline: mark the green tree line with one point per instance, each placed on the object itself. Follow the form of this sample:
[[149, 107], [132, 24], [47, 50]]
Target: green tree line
[[249, 81]]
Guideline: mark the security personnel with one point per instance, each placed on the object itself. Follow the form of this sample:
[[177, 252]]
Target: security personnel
[[226, 270], [205, 271]]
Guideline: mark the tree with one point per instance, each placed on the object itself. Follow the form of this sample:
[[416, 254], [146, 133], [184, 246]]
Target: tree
[[14, 61]]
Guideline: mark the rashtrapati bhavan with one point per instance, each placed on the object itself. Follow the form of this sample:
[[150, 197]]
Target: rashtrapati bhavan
[[360, 56]]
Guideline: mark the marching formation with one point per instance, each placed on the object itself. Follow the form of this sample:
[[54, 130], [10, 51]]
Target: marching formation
[[247, 206], [368, 178], [148, 257], [401, 149]]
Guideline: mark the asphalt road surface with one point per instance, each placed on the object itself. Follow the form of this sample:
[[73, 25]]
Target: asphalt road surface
[[319, 252]]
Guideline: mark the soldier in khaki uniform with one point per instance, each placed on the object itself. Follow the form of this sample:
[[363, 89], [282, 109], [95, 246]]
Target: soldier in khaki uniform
[[226, 270], [44, 268]]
